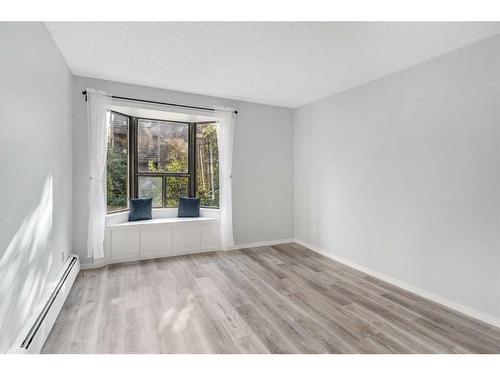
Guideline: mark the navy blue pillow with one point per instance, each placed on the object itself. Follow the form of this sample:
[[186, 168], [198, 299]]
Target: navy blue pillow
[[140, 209], [188, 207]]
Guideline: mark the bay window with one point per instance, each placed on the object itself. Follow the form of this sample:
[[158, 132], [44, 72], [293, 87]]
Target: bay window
[[162, 160]]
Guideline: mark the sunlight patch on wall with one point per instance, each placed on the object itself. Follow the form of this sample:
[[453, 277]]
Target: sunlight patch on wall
[[25, 266]]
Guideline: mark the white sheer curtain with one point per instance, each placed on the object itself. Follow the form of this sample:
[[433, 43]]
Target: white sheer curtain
[[225, 133], [98, 103]]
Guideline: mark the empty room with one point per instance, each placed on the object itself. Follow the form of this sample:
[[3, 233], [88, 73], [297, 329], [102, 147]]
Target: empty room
[[250, 187]]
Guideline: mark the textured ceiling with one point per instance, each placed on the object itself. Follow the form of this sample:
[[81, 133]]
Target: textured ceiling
[[287, 64]]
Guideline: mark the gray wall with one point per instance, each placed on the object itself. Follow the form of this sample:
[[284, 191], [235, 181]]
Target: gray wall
[[262, 165], [402, 176], [35, 160]]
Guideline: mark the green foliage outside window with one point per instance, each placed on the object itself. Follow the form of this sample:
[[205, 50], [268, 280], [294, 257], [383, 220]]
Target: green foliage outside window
[[207, 165], [117, 166], [117, 163]]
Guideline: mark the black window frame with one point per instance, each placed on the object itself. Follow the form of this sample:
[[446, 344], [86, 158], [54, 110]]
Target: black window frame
[[134, 174]]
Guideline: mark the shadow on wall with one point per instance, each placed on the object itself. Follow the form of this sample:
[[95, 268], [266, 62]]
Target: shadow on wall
[[25, 268]]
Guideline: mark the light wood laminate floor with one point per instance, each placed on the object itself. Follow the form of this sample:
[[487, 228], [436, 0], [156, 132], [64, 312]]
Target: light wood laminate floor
[[278, 299]]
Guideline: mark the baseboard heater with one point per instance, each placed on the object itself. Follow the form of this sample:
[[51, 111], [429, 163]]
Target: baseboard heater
[[37, 329]]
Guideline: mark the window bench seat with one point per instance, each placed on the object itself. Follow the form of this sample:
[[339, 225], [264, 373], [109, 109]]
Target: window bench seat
[[160, 237], [171, 220]]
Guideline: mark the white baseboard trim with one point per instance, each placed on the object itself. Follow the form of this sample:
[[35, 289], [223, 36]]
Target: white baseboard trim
[[259, 244], [411, 288]]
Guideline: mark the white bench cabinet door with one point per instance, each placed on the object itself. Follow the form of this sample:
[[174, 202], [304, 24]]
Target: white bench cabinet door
[[209, 235], [124, 244], [185, 238], [156, 240]]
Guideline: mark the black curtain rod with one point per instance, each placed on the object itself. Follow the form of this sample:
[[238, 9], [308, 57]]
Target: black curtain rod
[[84, 92]]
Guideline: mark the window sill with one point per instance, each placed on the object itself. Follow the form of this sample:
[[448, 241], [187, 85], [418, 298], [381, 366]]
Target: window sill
[[159, 213], [158, 209], [173, 220], [117, 213]]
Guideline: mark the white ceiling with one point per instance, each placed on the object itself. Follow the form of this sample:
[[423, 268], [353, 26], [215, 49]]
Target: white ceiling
[[280, 63]]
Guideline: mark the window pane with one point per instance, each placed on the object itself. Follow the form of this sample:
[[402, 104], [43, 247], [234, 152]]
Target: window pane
[[176, 187], [150, 187], [162, 146], [117, 162], [207, 165]]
